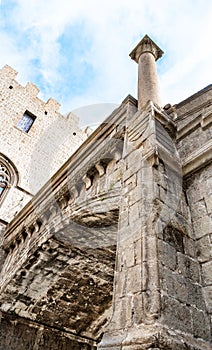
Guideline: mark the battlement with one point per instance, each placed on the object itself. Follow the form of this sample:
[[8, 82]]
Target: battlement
[[8, 77], [8, 72]]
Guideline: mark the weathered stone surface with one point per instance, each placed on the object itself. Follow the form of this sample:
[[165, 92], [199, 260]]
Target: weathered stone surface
[[168, 255], [207, 273], [188, 267], [207, 291], [202, 226], [138, 188], [19, 334], [81, 284], [176, 315]]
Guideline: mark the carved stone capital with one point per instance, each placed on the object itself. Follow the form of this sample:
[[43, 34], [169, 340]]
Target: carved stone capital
[[146, 45]]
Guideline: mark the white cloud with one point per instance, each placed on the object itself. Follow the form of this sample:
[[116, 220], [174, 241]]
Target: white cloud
[[111, 29]]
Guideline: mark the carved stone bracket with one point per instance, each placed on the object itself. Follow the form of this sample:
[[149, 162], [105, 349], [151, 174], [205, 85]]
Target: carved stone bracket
[[87, 181], [100, 169]]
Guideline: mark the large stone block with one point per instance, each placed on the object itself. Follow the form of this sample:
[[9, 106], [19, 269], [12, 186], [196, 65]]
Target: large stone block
[[208, 202], [189, 246], [204, 249], [188, 267], [207, 292], [176, 315], [134, 280], [175, 285], [207, 273], [201, 327], [202, 226], [198, 210], [167, 255]]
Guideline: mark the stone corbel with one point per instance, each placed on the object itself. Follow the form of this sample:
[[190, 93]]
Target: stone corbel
[[12, 247], [87, 181], [20, 239], [63, 201], [74, 192], [17, 242], [36, 226], [53, 210], [44, 217], [23, 234], [117, 155], [100, 169], [28, 232]]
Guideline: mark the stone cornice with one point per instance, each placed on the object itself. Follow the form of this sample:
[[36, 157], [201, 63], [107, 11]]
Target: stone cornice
[[202, 120], [193, 97], [146, 45], [190, 111], [197, 159]]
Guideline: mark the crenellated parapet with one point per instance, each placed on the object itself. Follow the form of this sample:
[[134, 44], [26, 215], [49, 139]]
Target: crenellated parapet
[[8, 73], [8, 76]]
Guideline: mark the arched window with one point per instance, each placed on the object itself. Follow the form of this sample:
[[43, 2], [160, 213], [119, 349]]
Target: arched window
[[8, 176], [4, 178]]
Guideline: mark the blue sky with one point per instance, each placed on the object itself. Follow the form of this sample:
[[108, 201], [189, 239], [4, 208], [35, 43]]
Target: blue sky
[[78, 51]]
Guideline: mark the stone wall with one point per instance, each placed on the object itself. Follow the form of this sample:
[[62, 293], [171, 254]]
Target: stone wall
[[194, 143], [20, 334], [158, 296], [199, 198], [158, 191]]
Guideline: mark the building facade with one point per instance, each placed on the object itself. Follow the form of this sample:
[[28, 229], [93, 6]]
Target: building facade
[[114, 252]]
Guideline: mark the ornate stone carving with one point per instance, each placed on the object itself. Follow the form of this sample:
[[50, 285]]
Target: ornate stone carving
[[146, 45]]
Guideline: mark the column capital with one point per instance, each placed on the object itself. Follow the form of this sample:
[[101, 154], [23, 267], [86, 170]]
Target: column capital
[[146, 45]]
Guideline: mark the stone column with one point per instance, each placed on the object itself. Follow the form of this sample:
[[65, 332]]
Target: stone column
[[146, 54], [157, 296]]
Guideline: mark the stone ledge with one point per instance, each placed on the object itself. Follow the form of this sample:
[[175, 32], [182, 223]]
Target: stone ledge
[[194, 96], [148, 337], [197, 159], [200, 120]]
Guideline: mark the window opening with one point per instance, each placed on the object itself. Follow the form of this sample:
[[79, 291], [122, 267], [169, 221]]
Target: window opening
[[26, 121]]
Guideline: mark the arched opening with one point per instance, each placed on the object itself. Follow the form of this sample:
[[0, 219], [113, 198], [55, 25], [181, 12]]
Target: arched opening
[[8, 176]]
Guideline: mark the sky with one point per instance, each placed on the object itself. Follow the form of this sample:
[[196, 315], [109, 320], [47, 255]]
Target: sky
[[77, 52]]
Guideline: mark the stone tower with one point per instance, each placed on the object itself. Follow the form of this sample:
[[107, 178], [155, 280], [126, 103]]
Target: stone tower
[[35, 140]]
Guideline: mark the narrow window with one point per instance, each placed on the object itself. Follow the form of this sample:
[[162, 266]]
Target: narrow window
[[26, 122]]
